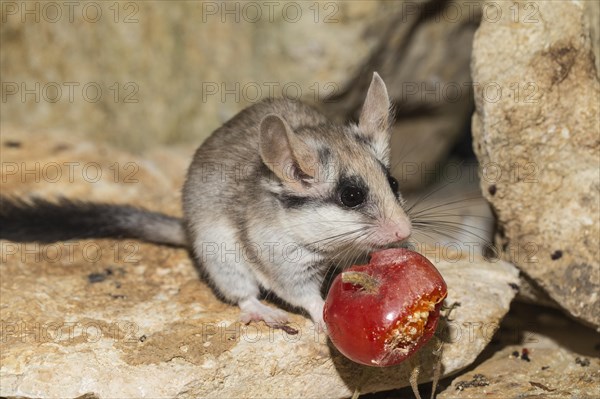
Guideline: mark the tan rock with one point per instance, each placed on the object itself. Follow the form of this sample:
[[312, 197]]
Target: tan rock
[[537, 353], [539, 146], [140, 73], [147, 327], [508, 376]]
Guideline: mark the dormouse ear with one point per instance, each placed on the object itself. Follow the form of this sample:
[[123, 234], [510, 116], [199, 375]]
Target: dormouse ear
[[290, 158], [375, 115]]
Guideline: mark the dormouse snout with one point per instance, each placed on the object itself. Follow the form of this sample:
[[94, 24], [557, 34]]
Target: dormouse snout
[[394, 223], [396, 229]]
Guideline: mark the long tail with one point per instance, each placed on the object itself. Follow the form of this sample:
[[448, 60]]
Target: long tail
[[39, 220]]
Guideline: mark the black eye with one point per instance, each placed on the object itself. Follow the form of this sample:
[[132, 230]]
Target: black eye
[[393, 184], [352, 196]]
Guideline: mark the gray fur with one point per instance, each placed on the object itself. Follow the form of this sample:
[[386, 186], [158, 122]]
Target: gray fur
[[277, 210]]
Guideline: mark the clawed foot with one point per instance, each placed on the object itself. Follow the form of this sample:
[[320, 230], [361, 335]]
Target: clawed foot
[[253, 310]]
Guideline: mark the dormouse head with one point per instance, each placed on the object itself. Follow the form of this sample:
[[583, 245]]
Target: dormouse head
[[333, 182]]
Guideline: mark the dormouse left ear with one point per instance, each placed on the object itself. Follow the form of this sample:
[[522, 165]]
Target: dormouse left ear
[[374, 120], [292, 160]]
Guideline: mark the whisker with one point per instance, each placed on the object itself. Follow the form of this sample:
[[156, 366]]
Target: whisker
[[325, 222], [404, 154], [458, 201], [447, 223], [426, 195], [456, 214], [451, 229], [423, 233], [337, 236]]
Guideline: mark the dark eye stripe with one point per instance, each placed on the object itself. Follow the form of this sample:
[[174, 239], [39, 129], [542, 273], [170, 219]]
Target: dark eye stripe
[[391, 179], [393, 184]]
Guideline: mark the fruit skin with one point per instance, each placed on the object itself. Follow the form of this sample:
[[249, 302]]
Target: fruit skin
[[383, 320]]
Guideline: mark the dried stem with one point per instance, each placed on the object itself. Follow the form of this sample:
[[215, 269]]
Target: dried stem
[[367, 283]]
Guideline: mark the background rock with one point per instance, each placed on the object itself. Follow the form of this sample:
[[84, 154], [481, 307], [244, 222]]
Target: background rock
[[122, 318], [592, 17], [423, 56], [539, 148], [164, 68], [142, 74], [536, 353]]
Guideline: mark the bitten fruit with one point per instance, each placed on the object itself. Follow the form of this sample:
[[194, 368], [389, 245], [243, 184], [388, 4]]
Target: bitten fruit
[[381, 313]]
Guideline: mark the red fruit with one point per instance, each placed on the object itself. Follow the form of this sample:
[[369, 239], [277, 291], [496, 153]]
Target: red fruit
[[381, 313]]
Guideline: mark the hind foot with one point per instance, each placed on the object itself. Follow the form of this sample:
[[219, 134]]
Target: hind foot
[[253, 310]]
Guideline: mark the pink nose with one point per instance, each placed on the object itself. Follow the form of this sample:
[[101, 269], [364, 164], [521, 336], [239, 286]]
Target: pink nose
[[402, 232], [395, 230]]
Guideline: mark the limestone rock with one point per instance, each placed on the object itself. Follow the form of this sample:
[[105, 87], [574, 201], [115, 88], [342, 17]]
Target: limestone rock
[[537, 353], [54, 163], [152, 329], [537, 135], [139, 73], [592, 14], [507, 376], [125, 319]]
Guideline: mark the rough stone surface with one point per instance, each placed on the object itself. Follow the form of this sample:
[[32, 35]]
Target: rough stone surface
[[173, 71], [592, 14], [539, 148], [536, 353], [126, 319]]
